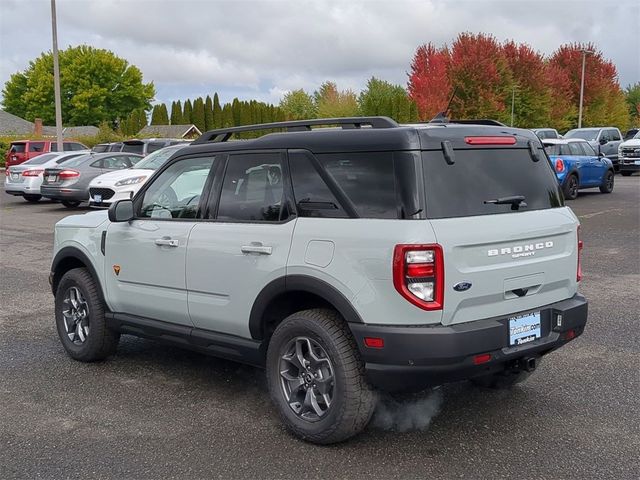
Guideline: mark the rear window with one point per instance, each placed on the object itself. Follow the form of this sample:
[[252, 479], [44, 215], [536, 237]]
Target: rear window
[[478, 175], [154, 146], [18, 147], [40, 159], [133, 148], [78, 160]]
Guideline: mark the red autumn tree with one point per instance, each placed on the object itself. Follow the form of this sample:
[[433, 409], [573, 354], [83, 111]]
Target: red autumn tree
[[480, 73], [604, 101], [429, 86]]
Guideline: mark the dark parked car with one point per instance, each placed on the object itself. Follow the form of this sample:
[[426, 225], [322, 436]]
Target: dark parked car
[[69, 183], [149, 145]]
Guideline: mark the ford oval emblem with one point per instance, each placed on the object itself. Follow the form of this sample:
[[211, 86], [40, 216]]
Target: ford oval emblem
[[462, 286]]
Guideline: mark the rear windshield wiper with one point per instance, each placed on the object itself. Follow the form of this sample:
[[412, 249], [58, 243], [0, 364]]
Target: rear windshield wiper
[[516, 201]]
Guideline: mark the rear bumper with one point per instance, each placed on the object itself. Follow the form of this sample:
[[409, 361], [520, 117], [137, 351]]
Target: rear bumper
[[418, 357], [58, 193]]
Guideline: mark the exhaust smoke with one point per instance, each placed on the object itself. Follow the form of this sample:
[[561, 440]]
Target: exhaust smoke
[[403, 414]]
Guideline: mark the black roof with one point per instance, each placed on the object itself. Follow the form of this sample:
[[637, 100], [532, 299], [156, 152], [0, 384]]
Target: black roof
[[359, 134]]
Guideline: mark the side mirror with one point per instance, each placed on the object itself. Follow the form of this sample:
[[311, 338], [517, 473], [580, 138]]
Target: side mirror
[[601, 155], [603, 141], [121, 211]]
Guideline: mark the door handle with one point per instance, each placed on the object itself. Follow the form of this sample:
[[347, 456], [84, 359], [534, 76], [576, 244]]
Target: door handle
[[166, 242], [256, 248]]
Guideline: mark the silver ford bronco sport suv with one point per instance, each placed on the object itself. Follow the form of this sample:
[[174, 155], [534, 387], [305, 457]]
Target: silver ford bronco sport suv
[[368, 256]]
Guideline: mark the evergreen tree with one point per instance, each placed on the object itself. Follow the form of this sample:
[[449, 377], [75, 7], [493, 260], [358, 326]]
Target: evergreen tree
[[217, 112], [176, 113], [208, 114], [198, 114], [235, 111], [227, 116], [159, 115], [187, 112]]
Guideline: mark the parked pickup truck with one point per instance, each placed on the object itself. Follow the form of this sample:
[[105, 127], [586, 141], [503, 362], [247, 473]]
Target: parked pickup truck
[[604, 139]]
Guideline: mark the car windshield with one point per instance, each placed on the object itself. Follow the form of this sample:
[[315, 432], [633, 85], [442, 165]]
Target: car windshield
[[589, 134], [637, 136], [40, 159], [156, 159]]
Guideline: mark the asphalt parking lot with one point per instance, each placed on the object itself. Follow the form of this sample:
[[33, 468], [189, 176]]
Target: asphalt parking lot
[[158, 412]]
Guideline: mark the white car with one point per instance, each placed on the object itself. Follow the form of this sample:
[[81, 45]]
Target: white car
[[24, 180], [114, 186], [629, 156]]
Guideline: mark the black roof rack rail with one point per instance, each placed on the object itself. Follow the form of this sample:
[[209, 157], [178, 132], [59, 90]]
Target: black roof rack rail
[[224, 134], [480, 121]]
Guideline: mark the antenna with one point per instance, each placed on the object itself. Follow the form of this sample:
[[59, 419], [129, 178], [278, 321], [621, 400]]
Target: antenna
[[442, 116]]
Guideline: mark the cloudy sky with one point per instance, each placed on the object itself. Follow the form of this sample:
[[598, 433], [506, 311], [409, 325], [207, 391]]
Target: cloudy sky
[[261, 49]]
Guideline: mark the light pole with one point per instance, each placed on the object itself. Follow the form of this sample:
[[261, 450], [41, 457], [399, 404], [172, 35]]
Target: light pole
[[585, 52], [56, 76], [513, 103]]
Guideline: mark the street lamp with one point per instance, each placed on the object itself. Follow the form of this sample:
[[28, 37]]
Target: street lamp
[[56, 76], [585, 52]]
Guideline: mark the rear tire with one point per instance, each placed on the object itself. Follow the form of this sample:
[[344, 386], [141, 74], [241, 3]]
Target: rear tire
[[570, 189], [607, 182], [70, 203], [321, 340], [32, 198], [80, 318]]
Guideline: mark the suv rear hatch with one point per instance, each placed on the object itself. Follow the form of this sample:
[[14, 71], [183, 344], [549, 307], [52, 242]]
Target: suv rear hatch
[[503, 254], [17, 153]]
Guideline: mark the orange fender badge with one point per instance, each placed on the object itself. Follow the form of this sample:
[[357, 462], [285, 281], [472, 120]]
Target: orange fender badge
[[116, 269]]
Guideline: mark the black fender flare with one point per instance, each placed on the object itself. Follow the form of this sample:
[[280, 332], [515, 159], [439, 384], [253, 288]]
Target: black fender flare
[[573, 171], [77, 254], [298, 283]]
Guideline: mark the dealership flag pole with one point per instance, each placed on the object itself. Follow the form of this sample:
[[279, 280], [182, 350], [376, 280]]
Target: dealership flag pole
[[56, 76], [584, 58]]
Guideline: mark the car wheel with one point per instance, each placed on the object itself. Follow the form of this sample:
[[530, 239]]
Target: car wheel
[[316, 377], [571, 188], [32, 198], [70, 203], [501, 380], [626, 174], [80, 319], [607, 182]]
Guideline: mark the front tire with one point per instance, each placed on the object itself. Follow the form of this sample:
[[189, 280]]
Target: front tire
[[316, 377], [607, 182], [32, 198], [570, 189], [80, 319]]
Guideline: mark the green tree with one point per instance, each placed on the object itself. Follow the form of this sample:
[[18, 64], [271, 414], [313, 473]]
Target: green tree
[[332, 103], [176, 113], [159, 115], [197, 116], [208, 114], [217, 112], [187, 112], [298, 105], [134, 122], [383, 98], [96, 85], [632, 97]]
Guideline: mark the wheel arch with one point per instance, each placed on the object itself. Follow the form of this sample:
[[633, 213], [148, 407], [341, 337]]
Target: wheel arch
[[67, 259], [293, 293]]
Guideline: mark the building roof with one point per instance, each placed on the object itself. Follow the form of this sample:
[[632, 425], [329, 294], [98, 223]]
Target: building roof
[[169, 131], [13, 125], [72, 132]]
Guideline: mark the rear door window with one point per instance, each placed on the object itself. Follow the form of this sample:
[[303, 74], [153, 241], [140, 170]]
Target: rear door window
[[574, 149], [36, 146], [587, 149], [479, 175]]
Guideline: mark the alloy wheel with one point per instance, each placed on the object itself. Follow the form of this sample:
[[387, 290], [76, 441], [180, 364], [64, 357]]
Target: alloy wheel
[[75, 312], [307, 378]]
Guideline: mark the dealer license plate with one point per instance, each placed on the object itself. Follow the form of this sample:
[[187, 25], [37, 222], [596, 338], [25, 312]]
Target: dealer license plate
[[97, 198], [14, 176], [637, 162], [51, 178], [524, 328]]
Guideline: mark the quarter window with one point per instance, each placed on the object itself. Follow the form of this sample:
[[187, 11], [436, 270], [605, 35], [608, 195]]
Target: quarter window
[[252, 189], [36, 146], [176, 192]]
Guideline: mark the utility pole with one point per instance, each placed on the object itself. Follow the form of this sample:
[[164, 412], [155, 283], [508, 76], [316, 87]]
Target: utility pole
[[585, 52], [513, 103], [56, 77]]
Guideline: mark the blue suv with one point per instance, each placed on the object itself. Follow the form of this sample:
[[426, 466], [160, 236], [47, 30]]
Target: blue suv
[[577, 166]]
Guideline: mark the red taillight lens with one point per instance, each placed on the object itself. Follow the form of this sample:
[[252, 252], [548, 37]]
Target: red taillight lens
[[418, 274], [490, 140], [374, 342], [6, 172], [580, 246], [482, 358], [69, 174], [31, 173], [559, 165]]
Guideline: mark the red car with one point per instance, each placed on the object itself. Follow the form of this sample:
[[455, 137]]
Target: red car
[[23, 150]]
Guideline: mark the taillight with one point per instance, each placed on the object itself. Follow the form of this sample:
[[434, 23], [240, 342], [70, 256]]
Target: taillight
[[559, 165], [490, 140], [69, 174], [6, 172], [31, 173], [580, 246], [418, 274]]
